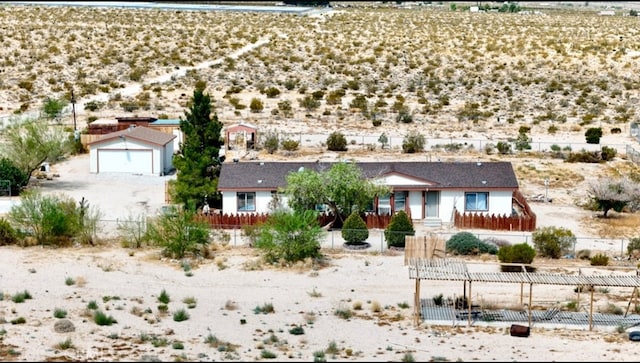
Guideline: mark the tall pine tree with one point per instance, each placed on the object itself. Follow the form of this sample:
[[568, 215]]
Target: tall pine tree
[[198, 162]]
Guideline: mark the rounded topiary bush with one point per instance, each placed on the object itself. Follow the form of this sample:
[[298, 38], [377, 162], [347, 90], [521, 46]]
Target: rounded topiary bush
[[354, 229], [518, 253], [466, 243], [399, 227], [337, 142]]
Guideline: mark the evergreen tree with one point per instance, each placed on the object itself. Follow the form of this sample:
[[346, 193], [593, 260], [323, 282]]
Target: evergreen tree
[[198, 162]]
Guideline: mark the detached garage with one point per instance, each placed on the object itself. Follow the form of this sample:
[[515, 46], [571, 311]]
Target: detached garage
[[136, 150]]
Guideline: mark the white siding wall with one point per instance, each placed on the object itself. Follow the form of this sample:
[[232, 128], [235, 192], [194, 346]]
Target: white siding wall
[[168, 158], [500, 202], [416, 204], [229, 203], [125, 144], [449, 199], [263, 198]]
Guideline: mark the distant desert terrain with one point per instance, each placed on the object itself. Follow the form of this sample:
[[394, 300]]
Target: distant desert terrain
[[447, 75]]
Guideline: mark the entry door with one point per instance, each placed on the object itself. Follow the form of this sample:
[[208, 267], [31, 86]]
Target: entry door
[[431, 203]]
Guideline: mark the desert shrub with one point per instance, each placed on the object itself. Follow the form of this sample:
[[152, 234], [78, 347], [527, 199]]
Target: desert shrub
[[337, 142], [164, 297], [504, 148], [553, 242], [179, 233], [101, 318], [271, 142], [308, 103], [359, 102], [180, 315], [59, 313], [53, 107], [296, 330], [616, 130], [399, 227], [593, 135], [607, 153], [290, 145], [466, 243], [517, 253], [599, 260], [413, 142], [354, 229], [584, 254], [438, 300], [256, 105], [290, 236], [8, 235], [20, 297], [16, 177], [272, 92], [266, 308], [634, 245], [93, 105], [584, 157]]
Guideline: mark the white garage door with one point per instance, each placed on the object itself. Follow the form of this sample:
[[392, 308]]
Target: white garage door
[[125, 161]]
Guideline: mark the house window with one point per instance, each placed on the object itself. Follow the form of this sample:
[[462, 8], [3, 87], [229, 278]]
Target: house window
[[246, 202], [384, 204], [399, 201], [476, 201]]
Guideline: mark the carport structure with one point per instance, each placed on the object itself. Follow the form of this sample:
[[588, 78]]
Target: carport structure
[[448, 269]]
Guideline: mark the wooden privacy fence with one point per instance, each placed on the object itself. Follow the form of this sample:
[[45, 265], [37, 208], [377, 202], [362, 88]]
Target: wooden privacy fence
[[425, 247], [524, 222], [232, 221]]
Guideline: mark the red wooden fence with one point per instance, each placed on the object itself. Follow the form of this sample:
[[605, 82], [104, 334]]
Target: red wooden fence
[[232, 221], [524, 222]]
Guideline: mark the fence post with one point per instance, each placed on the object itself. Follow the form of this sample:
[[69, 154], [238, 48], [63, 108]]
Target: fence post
[[621, 248], [235, 242], [331, 230]]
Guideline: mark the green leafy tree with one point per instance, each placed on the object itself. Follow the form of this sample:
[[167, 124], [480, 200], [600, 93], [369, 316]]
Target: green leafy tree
[[336, 141], [53, 107], [613, 194], [33, 142], [179, 233], [290, 236], [16, 177], [198, 162], [553, 242], [354, 230], [399, 227], [342, 188]]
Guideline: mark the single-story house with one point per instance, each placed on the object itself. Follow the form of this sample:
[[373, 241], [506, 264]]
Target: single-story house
[[136, 150], [425, 190]]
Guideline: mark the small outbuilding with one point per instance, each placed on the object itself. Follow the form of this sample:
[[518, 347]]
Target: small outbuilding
[[242, 136], [135, 150]]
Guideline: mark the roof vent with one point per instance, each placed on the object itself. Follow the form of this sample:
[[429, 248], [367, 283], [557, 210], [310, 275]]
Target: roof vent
[[259, 181], [484, 182], [479, 163], [262, 163]]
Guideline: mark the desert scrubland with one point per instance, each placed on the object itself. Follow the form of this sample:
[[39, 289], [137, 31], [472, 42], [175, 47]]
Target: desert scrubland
[[427, 70]]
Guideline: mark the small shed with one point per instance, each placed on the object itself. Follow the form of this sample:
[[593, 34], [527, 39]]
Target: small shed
[[135, 150], [241, 136]]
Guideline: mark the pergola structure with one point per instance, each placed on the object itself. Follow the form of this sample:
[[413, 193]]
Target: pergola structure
[[449, 269]]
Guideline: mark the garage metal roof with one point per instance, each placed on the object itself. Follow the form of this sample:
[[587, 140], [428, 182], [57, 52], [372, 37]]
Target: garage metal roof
[[456, 270]]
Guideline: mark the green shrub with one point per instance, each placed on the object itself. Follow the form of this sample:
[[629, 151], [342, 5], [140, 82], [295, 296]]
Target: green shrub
[[599, 260], [290, 145], [399, 227], [271, 142], [59, 313], [517, 253], [272, 92], [438, 299], [337, 142], [8, 235], [92, 305], [256, 105], [180, 315], [504, 148], [466, 243], [593, 135], [266, 308], [20, 297], [607, 153], [553, 242], [354, 229], [297, 330], [634, 244], [413, 142], [16, 177], [103, 319], [164, 297]]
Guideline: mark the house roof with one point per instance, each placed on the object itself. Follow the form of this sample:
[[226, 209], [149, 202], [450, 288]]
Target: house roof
[[439, 175], [162, 122], [139, 133], [242, 126]]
